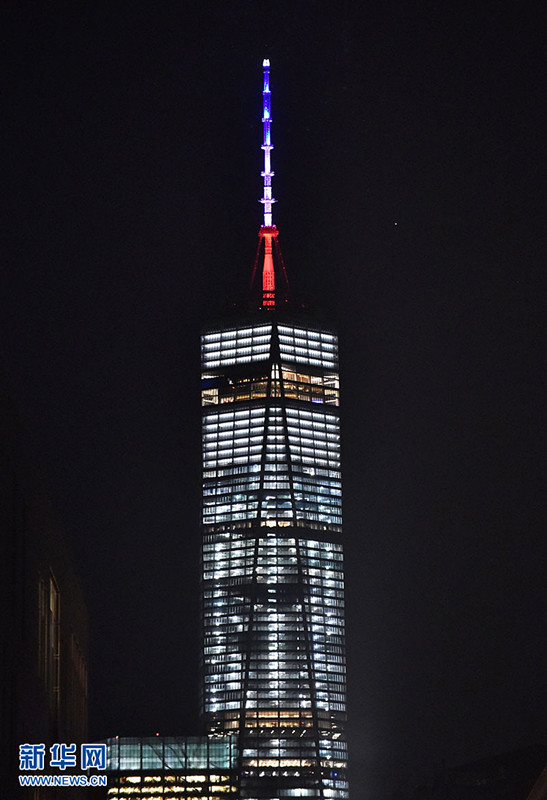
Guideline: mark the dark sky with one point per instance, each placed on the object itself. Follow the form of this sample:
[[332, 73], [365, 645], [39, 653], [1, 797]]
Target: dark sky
[[410, 177]]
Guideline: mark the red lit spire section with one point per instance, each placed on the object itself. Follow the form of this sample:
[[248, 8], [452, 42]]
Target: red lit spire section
[[268, 272]]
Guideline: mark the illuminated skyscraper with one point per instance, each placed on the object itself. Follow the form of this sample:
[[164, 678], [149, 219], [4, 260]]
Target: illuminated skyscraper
[[273, 587]]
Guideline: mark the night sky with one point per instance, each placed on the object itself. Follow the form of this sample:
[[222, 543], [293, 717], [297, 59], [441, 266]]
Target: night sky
[[410, 179]]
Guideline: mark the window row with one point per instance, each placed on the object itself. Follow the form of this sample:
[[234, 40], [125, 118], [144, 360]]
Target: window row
[[218, 389], [312, 347], [233, 346], [310, 550], [211, 337]]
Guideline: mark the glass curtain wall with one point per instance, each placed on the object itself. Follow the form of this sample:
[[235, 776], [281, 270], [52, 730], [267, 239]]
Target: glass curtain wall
[[168, 768], [272, 579]]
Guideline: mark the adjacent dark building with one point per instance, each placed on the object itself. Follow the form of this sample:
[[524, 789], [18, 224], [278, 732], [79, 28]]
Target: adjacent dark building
[[43, 620]]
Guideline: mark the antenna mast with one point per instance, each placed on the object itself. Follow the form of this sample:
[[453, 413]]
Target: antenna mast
[[267, 146], [268, 231]]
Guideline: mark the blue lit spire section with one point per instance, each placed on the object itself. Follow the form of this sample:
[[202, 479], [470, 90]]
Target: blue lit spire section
[[267, 146]]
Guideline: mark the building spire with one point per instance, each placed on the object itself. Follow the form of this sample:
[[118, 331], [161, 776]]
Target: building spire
[[268, 230], [267, 146], [268, 242]]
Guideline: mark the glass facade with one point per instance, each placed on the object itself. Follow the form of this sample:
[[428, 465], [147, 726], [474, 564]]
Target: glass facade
[[154, 768], [272, 580]]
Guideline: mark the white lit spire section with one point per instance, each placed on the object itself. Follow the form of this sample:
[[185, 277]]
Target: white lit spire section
[[267, 146]]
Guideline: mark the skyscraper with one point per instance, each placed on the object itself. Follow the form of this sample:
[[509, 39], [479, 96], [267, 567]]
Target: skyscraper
[[273, 671]]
